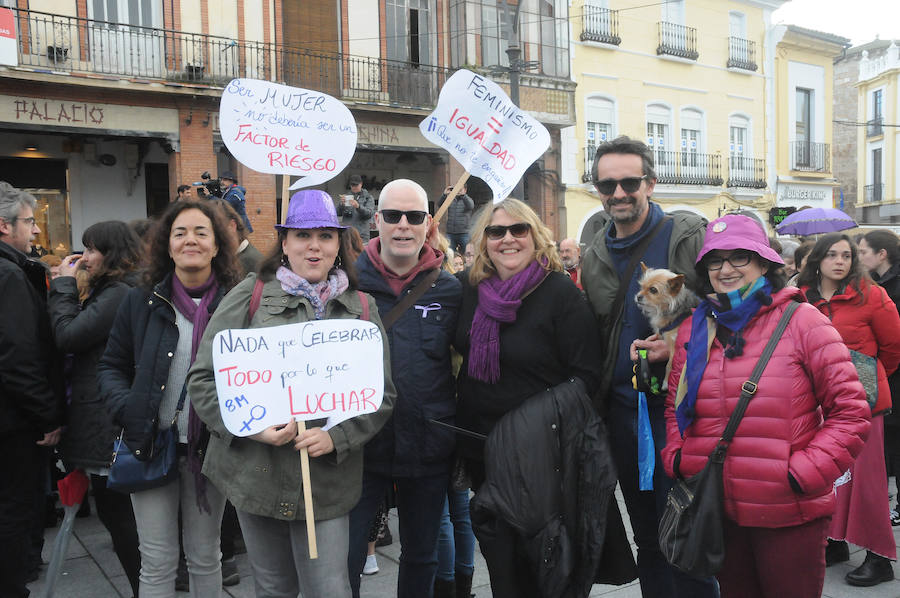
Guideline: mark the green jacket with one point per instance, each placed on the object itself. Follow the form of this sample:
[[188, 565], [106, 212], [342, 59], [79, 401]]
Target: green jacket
[[263, 479], [601, 281]]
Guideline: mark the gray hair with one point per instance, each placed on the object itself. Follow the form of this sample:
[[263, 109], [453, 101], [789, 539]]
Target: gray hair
[[399, 184], [12, 201], [625, 145]]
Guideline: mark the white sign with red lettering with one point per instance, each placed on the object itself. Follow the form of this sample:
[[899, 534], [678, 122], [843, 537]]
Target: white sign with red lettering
[[8, 51], [330, 369], [489, 135], [287, 130]]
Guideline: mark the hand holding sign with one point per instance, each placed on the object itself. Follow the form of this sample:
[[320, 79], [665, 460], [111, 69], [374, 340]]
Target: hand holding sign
[[287, 130], [489, 135]]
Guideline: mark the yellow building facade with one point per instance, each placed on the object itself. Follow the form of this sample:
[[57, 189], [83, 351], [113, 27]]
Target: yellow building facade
[[689, 78], [878, 142], [803, 114]]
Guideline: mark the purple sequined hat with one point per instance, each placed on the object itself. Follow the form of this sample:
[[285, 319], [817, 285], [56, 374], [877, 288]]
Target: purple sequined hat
[[310, 208]]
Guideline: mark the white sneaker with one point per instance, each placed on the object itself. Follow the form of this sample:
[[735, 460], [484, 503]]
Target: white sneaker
[[371, 567]]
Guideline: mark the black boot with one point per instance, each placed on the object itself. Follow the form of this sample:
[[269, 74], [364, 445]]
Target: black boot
[[463, 585], [444, 588], [874, 570], [837, 551]]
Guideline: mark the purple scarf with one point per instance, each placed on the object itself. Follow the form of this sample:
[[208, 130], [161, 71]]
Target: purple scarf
[[199, 315], [498, 301]]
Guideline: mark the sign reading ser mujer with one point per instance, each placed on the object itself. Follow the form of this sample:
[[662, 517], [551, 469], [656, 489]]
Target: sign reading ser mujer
[[313, 370]]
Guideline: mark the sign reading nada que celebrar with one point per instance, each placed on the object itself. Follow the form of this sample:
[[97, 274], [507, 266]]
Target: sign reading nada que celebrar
[[321, 369]]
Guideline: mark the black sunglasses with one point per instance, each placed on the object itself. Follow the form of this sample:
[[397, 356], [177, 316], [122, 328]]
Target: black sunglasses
[[629, 184], [495, 232], [412, 216]]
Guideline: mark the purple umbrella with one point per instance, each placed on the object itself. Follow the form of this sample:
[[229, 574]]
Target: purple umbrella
[[815, 221]]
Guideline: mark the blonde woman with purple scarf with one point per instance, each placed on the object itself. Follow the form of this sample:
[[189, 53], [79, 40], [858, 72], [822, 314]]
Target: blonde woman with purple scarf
[[523, 328], [153, 342]]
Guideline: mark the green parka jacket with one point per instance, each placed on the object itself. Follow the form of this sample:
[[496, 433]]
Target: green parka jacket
[[263, 479], [601, 281]]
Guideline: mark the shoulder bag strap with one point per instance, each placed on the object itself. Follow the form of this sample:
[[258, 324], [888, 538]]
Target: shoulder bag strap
[[748, 389], [411, 297], [255, 298], [365, 304], [636, 256]]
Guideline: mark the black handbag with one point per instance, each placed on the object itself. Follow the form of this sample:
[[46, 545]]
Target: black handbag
[[691, 529], [129, 474]]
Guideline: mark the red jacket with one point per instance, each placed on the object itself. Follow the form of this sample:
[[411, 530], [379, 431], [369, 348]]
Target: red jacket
[[871, 327], [809, 376]]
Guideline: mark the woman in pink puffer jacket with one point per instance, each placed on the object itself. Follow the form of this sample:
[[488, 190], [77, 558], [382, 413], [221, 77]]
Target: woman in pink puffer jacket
[[806, 423]]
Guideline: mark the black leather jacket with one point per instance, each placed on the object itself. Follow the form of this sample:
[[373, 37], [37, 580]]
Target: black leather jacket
[[568, 523], [134, 368]]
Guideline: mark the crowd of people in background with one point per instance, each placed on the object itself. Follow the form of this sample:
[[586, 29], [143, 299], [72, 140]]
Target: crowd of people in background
[[509, 411]]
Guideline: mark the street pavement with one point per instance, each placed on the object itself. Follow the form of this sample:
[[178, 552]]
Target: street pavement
[[92, 571]]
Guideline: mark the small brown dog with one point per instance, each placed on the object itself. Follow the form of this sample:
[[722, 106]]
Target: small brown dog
[[666, 302]]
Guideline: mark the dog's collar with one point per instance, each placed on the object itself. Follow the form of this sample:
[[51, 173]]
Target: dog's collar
[[675, 323]]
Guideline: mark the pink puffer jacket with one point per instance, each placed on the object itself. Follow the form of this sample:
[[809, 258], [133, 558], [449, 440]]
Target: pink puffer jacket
[[809, 376]]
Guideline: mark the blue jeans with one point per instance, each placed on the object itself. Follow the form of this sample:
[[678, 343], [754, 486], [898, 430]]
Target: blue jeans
[[458, 240], [658, 578], [419, 504], [456, 542]]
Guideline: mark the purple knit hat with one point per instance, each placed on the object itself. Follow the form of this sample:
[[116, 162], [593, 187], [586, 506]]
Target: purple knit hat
[[734, 231], [310, 208]]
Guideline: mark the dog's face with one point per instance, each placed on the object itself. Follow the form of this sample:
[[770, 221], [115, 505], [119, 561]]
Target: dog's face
[[659, 288]]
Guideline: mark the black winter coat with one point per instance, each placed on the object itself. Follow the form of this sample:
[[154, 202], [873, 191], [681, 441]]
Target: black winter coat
[[550, 475], [408, 445], [82, 330], [31, 393], [134, 368], [891, 283]]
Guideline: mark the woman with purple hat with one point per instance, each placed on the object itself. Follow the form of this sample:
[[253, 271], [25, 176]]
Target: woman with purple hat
[[805, 424], [309, 275], [862, 312]]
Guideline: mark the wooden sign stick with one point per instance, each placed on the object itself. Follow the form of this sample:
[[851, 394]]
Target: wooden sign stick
[[285, 195], [446, 205], [307, 497]]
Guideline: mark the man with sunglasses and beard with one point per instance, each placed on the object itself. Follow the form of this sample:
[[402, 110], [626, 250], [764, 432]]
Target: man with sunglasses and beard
[[638, 231], [410, 452]]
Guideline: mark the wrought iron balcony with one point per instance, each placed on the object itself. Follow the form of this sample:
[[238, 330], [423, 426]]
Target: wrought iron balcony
[[746, 172], [874, 193], [677, 40], [688, 168], [810, 157], [875, 127], [589, 153], [741, 54], [600, 25], [63, 43]]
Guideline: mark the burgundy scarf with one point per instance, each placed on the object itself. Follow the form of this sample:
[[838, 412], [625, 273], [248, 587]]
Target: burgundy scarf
[[498, 301], [199, 315]]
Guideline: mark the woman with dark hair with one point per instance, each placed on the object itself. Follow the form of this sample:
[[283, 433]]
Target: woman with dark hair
[[111, 254], [309, 275], [879, 253], [154, 340], [804, 426], [800, 255], [835, 282]]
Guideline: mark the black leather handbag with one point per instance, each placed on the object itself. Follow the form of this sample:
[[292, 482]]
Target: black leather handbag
[[129, 474], [691, 529]]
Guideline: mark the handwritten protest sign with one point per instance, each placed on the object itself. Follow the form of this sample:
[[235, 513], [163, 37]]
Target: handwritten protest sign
[[313, 370], [489, 135], [287, 130]]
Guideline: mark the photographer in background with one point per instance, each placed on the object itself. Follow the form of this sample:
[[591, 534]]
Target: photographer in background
[[234, 195], [356, 208]]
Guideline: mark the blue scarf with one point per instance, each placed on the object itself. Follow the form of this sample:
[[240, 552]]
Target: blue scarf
[[732, 310]]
